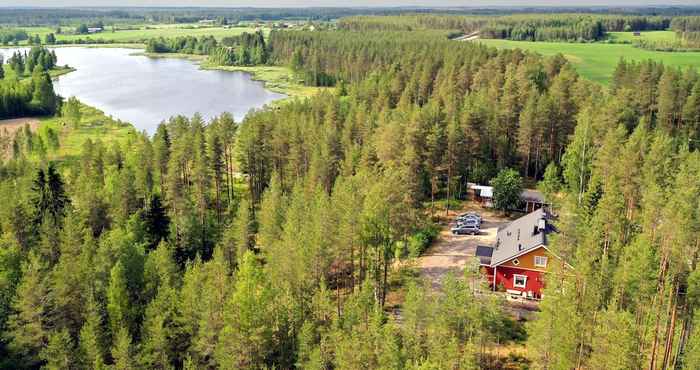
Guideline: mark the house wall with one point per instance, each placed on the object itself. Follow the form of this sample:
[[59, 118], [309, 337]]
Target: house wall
[[527, 261], [506, 276]]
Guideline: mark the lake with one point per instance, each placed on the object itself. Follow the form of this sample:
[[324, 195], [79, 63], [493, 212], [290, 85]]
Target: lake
[[145, 91]]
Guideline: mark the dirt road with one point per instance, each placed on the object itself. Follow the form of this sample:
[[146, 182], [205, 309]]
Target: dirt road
[[452, 252]]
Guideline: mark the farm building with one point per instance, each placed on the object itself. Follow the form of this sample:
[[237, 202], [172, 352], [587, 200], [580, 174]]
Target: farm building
[[481, 193], [519, 259]]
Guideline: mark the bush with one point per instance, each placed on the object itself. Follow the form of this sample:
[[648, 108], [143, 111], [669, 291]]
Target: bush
[[421, 240]]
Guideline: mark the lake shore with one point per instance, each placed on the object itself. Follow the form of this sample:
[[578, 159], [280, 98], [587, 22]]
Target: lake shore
[[275, 78], [278, 79]]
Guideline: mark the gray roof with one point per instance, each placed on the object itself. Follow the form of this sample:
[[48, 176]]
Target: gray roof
[[532, 196], [520, 236], [484, 254]]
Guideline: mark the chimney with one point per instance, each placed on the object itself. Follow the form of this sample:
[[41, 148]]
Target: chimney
[[518, 234], [542, 225]]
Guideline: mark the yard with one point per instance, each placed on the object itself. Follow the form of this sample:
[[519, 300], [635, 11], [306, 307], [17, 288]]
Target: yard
[[451, 253]]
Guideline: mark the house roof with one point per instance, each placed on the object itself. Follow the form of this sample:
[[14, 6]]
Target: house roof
[[484, 191], [521, 236], [529, 195]]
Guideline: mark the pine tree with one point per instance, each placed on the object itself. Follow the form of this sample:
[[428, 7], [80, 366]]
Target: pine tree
[[122, 350], [91, 343], [614, 345], [155, 350], [118, 305], [246, 337], [216, 288], [668, 104], [691, 116], [44, 98], [71, 112], [59, 352], [27, 327]]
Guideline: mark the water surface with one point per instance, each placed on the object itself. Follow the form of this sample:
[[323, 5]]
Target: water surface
[[145, 91]]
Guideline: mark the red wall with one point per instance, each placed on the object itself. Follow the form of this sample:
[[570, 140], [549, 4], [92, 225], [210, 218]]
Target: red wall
[[504, 276]]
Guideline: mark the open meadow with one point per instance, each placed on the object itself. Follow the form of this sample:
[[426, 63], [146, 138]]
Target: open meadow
[[665, 36], [597, 61]]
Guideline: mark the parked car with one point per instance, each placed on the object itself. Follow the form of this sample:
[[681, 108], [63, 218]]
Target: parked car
[[469, 221], [469, 215], [471, 228]]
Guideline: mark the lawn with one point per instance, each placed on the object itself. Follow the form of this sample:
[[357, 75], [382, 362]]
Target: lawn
[[597, 61], [146, 32]]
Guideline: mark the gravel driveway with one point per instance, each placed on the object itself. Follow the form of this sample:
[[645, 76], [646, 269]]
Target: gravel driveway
[[452, 252]]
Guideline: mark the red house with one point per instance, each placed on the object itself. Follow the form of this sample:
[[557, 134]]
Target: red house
[[519, 259]]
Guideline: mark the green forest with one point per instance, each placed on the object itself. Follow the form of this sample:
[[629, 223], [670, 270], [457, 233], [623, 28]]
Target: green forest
[[274, 241], [521, 27]]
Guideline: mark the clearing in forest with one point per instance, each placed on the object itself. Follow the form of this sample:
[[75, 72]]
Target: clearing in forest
[[451, 253]]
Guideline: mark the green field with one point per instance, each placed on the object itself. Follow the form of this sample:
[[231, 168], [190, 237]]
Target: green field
[[664, 36], [597, 61], [145, 33]]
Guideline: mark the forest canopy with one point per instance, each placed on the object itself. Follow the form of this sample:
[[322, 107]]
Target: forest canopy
[[271, 242]]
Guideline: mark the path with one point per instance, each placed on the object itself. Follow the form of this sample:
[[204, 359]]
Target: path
[[468, 37]]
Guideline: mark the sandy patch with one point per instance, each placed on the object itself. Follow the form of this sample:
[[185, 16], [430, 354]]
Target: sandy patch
[[8, 130], [9, 126]]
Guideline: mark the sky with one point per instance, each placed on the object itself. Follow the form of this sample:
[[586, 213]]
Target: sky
[[344, 3]]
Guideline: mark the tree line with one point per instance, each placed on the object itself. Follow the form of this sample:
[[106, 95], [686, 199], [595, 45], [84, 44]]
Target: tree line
[[12, 36], [31, 95], [519, 27], [688, 29], [245, 49]]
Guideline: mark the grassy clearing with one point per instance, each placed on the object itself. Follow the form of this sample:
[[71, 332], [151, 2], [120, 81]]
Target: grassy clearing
[[94, 125], [144, 33], [597, 61], [665, 36], [276, 78]]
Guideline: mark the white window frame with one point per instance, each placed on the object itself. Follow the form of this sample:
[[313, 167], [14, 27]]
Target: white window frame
[[540, 258], [515, 281], [515, 262]]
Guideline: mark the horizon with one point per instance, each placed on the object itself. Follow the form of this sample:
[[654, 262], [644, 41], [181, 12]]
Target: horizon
[[440, 4]]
